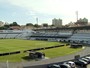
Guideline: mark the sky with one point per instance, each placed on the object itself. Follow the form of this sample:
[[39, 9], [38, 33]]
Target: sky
[[26, 11]]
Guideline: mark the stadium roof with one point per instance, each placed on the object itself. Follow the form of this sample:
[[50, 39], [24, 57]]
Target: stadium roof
[[70, 28]]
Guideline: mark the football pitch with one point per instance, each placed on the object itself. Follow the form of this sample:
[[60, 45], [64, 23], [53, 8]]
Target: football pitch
[[11, 45]]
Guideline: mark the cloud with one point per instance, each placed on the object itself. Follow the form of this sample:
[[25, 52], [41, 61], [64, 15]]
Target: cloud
[[55, 6], [44, 6], [64, 8], [31, 13]]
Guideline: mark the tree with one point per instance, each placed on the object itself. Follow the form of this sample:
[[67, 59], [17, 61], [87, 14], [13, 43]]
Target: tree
[[45, 25], [29, 24], [81, 21], [66, 25], [36, 25], [52, 25], [2, 28], [14, 24], [7, 26]]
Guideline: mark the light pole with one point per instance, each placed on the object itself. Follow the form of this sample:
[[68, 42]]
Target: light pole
[[37, 21], [77, 15]]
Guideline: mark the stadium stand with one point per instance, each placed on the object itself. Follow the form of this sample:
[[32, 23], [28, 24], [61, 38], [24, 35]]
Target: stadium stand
[[2, 35], [20, 34], [71, 34]]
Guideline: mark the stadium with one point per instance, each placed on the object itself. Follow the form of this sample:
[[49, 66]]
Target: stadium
[[51, 37], [51, 41], [44, 34]]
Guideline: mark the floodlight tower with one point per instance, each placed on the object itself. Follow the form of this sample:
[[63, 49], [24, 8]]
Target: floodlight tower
[[77, 15], [37, 21]]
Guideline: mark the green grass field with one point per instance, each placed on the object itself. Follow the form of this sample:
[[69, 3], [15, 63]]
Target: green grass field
[[10, 45]]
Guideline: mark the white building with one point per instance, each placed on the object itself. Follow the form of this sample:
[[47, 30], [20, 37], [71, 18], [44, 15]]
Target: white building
[[1, 23], [57, 22]]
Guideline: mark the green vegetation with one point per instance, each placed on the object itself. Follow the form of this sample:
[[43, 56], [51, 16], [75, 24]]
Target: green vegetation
[[61, 51], [10, 45]]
